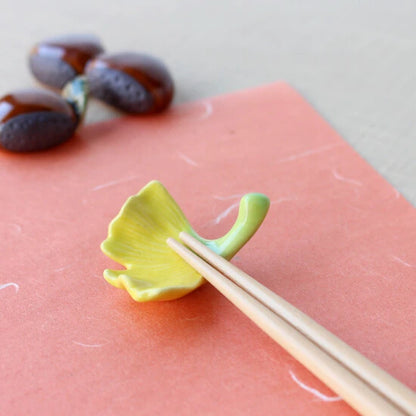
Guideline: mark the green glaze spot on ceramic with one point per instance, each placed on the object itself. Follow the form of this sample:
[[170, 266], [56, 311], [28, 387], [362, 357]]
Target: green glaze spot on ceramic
[[137, 240], [75, 92]]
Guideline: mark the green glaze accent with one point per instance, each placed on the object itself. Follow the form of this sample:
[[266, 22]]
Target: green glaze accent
[[253, 209], [75, 92], [137, 240]]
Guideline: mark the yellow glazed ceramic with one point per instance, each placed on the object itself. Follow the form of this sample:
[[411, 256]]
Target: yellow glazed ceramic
[[137, 239]]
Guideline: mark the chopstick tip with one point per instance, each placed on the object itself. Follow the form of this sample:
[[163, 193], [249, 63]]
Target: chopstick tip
[[170, 241]]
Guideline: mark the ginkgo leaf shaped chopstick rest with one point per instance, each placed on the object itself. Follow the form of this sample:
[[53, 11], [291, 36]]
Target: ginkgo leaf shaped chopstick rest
[[137, 240]]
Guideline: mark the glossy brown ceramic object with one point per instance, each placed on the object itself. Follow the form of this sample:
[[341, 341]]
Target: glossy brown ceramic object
[[132, 82], [33, 120], [56, 61]]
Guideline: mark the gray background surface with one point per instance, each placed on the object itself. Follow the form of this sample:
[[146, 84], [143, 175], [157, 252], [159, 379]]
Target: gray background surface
[[354, 61]]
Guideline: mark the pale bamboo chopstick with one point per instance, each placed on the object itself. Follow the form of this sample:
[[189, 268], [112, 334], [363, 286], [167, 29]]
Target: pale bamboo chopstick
[[357, 363], [366, 387]]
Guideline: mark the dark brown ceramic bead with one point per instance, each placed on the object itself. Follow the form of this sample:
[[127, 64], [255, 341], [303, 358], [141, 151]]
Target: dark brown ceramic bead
[[55, 61], [33, 120], [132, 82]]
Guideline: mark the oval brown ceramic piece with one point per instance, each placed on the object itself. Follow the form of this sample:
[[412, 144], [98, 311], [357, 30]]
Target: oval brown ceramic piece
[[33, 120], [132, 82], [56, 61]]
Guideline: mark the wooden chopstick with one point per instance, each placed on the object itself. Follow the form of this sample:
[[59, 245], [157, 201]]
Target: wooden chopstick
[[350, 358], [362, 384]]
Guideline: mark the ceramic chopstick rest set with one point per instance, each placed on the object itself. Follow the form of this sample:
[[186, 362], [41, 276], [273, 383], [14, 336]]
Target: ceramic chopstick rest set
[[132, 82], [36, 119]]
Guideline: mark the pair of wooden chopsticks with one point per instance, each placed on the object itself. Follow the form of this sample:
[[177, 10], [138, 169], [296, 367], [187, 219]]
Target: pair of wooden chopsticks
[[363, 385]]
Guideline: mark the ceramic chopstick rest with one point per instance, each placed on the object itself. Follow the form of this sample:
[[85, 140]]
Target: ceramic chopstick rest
[[32, 120], [56, 61], [137, 240], [132, 82]]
